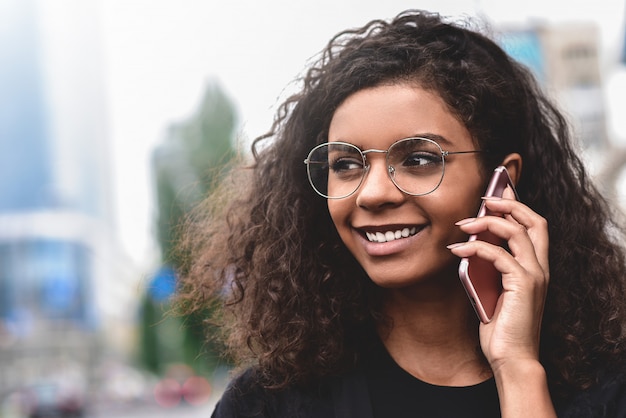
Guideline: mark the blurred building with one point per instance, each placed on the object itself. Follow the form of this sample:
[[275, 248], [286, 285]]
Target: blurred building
[[565, 59], [61, 277], [623, 56]]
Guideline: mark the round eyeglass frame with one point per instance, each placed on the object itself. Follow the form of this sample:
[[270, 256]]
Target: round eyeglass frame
[[390, 168]]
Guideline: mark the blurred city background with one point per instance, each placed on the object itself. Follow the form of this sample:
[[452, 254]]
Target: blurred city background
[[115, 116]]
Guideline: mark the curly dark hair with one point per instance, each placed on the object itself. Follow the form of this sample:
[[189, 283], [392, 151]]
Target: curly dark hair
[[298, 303]]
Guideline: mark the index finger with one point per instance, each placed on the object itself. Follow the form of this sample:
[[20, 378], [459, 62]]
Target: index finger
[[536, 226]]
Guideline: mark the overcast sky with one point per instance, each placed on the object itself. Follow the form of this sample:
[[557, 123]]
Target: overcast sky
[[159, 55]]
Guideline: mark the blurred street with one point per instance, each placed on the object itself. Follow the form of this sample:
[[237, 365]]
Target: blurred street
[[152, 411], [150, 403], [148, 407]]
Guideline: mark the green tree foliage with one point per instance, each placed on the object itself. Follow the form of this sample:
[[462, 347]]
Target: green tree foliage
[[186, 166], [150, 348]]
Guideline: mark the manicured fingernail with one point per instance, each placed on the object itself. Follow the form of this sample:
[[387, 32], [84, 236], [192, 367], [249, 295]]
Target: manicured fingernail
[[456, 245], [491, 198], [464, 221]]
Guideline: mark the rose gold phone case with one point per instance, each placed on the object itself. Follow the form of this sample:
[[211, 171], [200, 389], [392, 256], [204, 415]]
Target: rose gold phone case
[[481, 280]]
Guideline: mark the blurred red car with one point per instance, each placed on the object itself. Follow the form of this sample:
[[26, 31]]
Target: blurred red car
[[50, 399]]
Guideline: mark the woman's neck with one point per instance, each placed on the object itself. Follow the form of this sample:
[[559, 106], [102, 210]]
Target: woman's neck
[[434, 335]]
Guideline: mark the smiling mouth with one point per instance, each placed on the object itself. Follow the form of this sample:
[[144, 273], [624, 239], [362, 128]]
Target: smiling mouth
[[391, 235]]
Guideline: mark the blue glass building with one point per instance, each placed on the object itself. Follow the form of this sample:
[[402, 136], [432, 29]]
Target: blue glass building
[[25, 169], [53, 198]]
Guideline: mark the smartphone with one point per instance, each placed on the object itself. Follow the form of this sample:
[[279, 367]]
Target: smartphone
[[481, 280]]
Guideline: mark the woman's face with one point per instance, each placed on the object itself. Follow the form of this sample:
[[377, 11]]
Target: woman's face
[[375, 118]]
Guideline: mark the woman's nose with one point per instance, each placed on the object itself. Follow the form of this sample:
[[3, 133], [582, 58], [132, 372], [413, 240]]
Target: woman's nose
[[377, 189]]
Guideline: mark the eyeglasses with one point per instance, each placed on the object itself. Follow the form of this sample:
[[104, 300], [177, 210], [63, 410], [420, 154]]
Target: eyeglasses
[[415, 165]]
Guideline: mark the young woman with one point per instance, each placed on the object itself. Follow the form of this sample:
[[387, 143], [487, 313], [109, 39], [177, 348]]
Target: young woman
[[338, 283]]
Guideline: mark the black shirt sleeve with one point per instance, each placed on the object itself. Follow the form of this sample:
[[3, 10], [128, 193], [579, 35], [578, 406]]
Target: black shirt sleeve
[[246, 397]]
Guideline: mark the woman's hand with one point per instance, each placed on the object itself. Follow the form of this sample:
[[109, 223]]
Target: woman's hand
[[510, 341]]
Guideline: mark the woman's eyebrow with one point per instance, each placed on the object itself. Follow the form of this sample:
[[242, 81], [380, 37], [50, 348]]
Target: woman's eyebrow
[[441, 140]]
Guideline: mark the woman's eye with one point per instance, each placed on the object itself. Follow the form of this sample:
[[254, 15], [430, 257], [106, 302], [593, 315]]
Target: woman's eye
[[421, 159], [346, 164]]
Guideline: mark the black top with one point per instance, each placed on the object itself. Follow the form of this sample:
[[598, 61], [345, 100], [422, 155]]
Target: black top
[[395, 393], [381, 389]]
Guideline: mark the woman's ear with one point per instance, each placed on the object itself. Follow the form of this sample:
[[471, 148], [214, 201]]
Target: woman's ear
[[513, 164]]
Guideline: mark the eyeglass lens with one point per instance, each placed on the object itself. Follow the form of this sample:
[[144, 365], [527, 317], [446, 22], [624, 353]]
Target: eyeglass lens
[[337, 169]]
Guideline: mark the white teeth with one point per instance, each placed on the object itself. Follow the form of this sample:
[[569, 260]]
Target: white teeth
[[390, 235]]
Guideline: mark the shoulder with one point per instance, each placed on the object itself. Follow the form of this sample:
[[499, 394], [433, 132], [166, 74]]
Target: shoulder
[[246, 396], [606, 399], [243, 397]]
